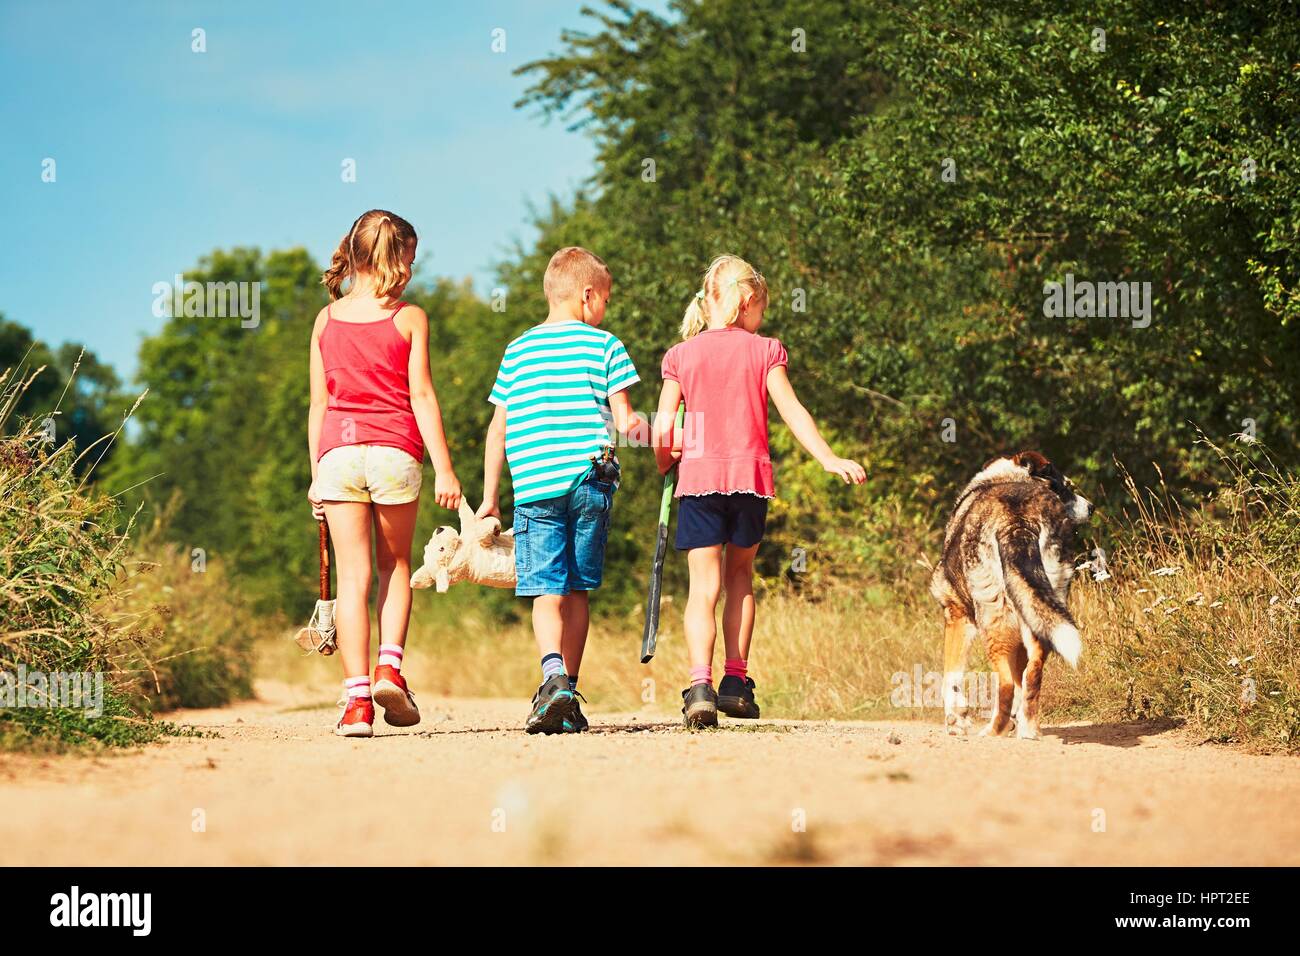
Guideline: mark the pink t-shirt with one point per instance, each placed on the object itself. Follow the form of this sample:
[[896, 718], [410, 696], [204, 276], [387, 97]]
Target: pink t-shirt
[[723, 375]]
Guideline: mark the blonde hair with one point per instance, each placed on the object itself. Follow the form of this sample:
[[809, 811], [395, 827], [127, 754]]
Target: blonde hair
[[377, 243], [727, 281], [572, 269]]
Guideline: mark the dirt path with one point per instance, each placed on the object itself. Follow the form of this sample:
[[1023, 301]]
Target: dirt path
[[467, 786]]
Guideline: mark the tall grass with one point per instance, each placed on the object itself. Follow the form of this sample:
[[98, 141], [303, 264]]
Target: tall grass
[[1201, 615], [74, 599], [195, 635]]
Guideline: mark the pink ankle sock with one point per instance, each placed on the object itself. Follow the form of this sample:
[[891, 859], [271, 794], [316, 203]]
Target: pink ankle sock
[[737, 667], [702, 675]]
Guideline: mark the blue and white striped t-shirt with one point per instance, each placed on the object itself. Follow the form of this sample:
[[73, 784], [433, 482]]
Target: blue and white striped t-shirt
[[554, 383]]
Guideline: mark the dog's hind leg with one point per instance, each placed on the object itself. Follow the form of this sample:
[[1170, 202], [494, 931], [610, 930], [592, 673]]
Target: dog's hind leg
[[1027, 721], [1000, 722], [958, 631], [1001, 647]]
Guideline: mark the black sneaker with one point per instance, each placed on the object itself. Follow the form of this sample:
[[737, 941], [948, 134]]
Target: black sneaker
[[553, 707], [579, 719], [700, 706], [736, 698]]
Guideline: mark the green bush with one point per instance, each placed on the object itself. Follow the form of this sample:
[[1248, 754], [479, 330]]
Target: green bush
[[68, 604], [1199, 620]]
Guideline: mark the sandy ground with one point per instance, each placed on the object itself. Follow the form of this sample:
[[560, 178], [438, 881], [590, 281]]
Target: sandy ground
[[467, 786]]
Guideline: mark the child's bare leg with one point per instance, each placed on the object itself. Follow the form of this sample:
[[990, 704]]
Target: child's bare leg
[[706, 584], [548, 623], [575, 612], [394, 528], [349, 523], [738, 613]]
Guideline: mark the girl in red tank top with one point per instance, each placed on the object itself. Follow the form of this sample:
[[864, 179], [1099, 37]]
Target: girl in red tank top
[[373, 414]]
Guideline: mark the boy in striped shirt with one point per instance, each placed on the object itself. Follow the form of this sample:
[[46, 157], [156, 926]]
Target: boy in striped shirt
[[560, 387]]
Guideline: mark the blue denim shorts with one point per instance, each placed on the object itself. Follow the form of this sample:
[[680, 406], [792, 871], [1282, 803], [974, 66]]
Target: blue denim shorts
[[560, 542]]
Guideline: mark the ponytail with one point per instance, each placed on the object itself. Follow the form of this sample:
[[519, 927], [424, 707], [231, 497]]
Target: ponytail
[[694, 322], [340, 268]]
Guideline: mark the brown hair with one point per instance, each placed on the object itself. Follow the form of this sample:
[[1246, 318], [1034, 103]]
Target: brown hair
[[377, 243], [571, 270], [726, 282]]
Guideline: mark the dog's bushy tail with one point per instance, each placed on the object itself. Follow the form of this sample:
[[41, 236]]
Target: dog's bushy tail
[[1031, 594]]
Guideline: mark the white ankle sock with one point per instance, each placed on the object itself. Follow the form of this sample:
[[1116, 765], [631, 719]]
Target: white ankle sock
[[391, 654]]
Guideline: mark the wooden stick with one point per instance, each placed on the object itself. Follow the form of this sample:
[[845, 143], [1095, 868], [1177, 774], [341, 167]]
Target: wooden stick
[[324, 561]]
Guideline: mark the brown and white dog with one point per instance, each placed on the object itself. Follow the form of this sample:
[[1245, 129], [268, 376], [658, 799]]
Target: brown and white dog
[[1005, 576]]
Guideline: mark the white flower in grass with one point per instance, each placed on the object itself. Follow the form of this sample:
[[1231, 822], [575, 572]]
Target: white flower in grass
[[1142, 591], [1170, 610], [1217, 604], [1245, 438], [1198, 599], [1233, 662], [1101, 576], [1167, 572]]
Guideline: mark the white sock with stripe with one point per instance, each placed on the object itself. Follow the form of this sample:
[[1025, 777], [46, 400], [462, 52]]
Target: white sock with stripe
[[391, 654], [357, 688]]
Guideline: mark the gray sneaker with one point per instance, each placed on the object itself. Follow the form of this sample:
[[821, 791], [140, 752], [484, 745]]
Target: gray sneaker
[[699, 707], [553, 707]]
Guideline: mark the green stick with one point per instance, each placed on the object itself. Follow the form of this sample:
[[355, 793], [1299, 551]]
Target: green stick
[[651, 634]]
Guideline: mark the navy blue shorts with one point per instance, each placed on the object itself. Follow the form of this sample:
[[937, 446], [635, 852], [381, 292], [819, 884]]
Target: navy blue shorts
[[706, 520]]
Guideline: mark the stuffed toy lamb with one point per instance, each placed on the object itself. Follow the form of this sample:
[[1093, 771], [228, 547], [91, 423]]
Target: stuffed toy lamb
[[480, 553]]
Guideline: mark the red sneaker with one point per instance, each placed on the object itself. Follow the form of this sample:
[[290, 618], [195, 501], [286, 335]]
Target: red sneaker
[[390, 692], [358, 719]]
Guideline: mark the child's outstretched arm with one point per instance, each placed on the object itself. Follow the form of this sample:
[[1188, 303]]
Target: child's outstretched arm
[[667, 444], [428, 416], [494, 460], [803, 427]]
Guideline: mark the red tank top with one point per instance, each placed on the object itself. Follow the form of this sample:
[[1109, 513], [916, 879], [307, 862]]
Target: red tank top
[[369, 391]]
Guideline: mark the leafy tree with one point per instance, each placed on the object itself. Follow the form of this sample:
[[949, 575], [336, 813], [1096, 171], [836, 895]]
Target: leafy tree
[[1115, 157], [82, 393]]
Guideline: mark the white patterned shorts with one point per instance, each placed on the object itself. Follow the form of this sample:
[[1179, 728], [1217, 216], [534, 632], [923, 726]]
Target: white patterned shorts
[[368, 473]]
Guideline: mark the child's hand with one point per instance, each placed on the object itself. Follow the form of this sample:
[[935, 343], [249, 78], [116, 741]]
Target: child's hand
[[849, 470], [317, 506], [446, 489], [488, 509]]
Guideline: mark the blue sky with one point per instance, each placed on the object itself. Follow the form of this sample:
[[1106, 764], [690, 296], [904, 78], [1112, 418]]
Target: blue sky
[[164, 154]]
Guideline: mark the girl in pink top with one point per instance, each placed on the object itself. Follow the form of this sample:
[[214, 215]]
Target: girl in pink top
[[725, 372], [373, 413]]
